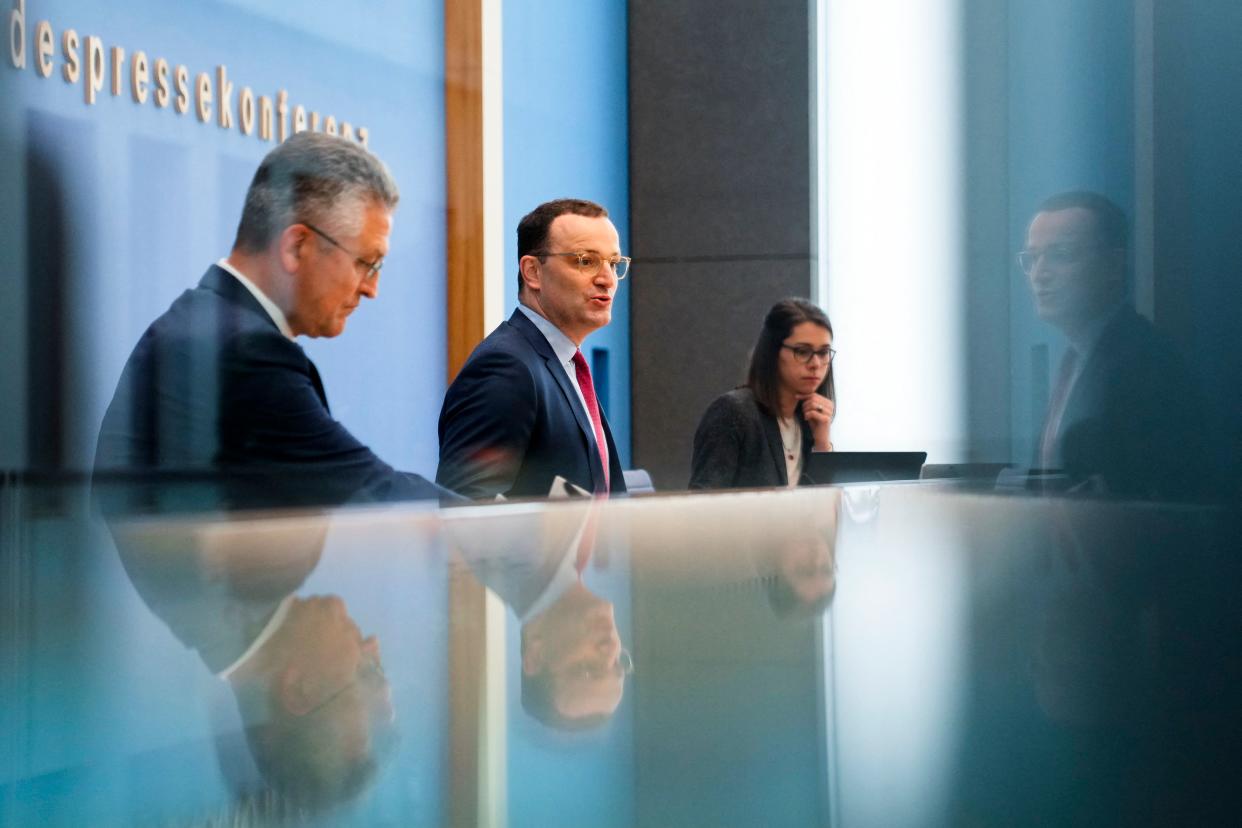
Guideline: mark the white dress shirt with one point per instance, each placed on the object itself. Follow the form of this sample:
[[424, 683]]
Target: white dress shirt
[[273, 311], [564, 348], [265, 635]]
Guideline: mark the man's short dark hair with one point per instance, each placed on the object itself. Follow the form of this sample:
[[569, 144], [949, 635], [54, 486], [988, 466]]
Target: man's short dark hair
[[532, 230], [317, 178], [1111, 226]]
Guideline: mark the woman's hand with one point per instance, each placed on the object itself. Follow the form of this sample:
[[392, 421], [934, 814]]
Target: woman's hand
[[818, 411]]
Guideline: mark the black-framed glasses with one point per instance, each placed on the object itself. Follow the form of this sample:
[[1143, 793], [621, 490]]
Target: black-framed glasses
[[1054, 255], [803, 353], [589, 262], [370, 269]]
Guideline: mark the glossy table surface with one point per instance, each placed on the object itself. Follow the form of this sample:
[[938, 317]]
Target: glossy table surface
[[907, 654]]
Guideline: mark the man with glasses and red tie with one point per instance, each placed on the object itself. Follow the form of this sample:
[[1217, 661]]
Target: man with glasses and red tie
[[523, 410], [1123, 416], [550, 568], [218, 387]]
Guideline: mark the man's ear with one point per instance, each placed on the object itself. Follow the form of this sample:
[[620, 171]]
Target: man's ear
[[293, 691], [291, 247], [531, 269]]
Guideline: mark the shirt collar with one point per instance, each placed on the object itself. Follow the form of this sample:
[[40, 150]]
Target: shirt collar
[[562, 346], [273, 311], [273, 624], [566, 575]]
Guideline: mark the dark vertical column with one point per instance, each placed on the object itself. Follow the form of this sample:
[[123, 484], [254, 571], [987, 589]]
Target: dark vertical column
[[47, 243], [1197, 219], [721, 202]]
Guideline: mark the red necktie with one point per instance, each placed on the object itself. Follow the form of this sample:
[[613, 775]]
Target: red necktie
[[588, 395]]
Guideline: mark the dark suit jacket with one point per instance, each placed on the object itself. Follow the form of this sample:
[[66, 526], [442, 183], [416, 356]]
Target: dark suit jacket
[[1133, 419], [738, 446], [518, 556], [216, 598], [512, 421], [213, 388]]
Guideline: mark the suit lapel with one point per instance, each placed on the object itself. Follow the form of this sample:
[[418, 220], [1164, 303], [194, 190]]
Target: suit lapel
[[777, 449], [540, 343], [220, 281], [1084, 395], [318, 383]]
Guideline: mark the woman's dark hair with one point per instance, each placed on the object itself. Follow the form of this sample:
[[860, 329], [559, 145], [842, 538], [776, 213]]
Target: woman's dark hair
[[763, 377]]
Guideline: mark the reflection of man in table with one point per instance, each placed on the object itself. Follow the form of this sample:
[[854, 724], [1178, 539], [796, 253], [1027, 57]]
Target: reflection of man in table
[[1123, 416], [573, 664], [310, 689]]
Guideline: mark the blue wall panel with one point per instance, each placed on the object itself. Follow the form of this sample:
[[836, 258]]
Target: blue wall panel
[[153, 197], [565, 124]]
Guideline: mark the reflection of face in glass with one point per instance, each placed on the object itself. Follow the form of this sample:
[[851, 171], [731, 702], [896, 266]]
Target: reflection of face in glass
[[573, 664], [807, 566], [1073, 278], [803, 578], [328, 705]]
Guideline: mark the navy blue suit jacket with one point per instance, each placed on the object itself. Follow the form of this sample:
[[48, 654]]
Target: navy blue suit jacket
[[1134, 417], [214, 389], [512, 421]]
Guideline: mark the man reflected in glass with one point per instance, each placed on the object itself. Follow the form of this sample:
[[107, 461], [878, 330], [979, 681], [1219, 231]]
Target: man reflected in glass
[[573, 664], [314, 703], [1123, 416]]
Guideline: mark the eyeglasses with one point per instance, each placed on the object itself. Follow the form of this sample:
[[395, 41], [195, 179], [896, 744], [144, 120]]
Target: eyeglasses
[[1055, 255], [370, 269], [589, 262], [591, 671], [803, 353]]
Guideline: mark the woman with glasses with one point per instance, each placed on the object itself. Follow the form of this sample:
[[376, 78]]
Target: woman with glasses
[[759, 433]]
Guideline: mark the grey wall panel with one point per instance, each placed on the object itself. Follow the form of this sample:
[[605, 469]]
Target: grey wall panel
[[719, 127], [693, 326], [721, 219], [1198, 217]]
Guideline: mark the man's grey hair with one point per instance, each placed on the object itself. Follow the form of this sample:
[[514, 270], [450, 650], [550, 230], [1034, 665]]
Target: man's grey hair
[[317, 178]]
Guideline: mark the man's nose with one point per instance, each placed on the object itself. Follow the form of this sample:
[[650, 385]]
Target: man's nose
[[604, 275], [609, 646], [370, 286]]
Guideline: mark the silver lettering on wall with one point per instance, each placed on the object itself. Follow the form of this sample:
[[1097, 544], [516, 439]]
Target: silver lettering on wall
[[238, 112]]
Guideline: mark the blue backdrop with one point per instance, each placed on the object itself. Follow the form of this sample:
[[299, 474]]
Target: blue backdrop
[[130, 203], [566, 136]]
